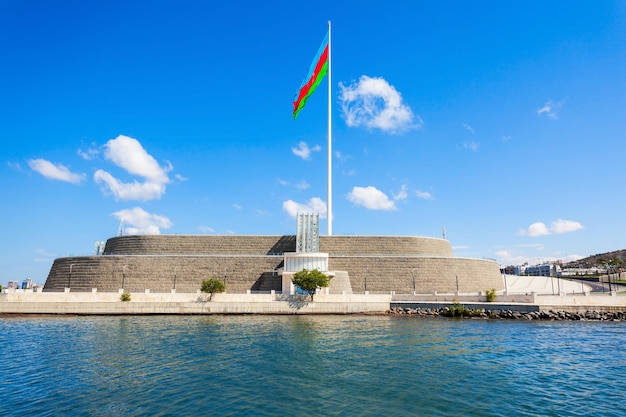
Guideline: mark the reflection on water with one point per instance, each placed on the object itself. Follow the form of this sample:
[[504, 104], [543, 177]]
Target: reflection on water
[[308, 365]]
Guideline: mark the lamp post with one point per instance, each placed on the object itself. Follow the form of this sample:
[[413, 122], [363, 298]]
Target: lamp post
[[69, 280], [413, 274], [175, 272], [506, 289], [365, 280], [123, 275]]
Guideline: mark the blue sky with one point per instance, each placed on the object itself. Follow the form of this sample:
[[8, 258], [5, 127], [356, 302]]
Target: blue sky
[[504, 123]]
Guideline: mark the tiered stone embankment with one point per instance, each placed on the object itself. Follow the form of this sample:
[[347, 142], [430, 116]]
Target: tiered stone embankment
[[377, 264]]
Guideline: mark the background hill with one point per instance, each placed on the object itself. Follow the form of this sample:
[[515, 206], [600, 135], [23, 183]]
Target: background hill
[[599, 259]]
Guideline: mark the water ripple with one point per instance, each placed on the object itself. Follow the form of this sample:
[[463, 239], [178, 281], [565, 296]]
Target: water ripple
[[309, 365]]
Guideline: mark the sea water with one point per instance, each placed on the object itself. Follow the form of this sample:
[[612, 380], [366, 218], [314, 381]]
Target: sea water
[[309, 366]]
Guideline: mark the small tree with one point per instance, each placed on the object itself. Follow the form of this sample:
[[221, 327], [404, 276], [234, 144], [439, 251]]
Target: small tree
[[211, 286], [309, 281], [125, 296]]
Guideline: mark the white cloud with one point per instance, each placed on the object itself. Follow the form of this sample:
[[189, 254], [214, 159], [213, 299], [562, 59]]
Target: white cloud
[[89, 154], [506, 138], [472, 146], [314, 205], [302, 185], [14, 166], [550, 109], [44, 256], [303, 150], [55, 172], [425, 195], [538, 229], [236, 206], [127, 153], [341, 157], [565, 226], [129, 191], [468, 128], [508, 257], [371, 198], [373, 103], [402, 194], [140, 222], [556, 227], [519, 257], [207, 229]]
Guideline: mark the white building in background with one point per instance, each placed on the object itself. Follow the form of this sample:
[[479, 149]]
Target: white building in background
[[543, 270]]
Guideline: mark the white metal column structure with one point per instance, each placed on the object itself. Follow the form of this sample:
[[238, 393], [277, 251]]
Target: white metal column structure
[[307, 233]]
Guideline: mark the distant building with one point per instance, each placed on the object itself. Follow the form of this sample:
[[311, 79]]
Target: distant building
[[510, 270], [544, 270]]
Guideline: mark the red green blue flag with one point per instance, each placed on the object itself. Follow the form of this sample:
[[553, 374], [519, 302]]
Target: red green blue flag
[[318, 70]]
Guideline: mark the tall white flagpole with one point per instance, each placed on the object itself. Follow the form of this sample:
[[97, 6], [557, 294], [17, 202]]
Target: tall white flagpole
[[329, 208]]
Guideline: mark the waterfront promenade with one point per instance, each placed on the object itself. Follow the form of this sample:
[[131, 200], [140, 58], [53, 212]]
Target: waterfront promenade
[[522, 294]]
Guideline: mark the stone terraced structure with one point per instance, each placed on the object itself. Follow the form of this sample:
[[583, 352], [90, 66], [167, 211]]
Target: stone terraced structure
[[378, 264]]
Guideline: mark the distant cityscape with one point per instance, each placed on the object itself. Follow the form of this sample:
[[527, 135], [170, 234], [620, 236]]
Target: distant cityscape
[[592, 266]]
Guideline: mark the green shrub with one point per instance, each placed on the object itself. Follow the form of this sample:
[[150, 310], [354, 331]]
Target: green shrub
[[491, 295], [458, 310], [212, 286], [125, 296], [310, 281]]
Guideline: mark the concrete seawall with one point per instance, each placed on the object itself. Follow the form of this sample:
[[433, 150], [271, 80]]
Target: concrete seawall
[[101, 303]]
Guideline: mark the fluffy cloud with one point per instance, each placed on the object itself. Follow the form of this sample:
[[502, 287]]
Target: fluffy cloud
[[556, 227], [140, 222], [314, 205], [472, 146], [135, 190], [128, 154], [425, 195], [550, 109], [90, 154], [373, 103], [538, 229], [371, 198], [565, 226], [402, 194], [55, 172], [303, 150]]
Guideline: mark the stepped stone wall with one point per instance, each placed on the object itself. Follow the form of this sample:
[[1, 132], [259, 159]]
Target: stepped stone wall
[[200, 244], [374, 263], [384, 245]]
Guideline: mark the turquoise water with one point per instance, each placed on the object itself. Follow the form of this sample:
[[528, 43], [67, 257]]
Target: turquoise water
[[309, 366]]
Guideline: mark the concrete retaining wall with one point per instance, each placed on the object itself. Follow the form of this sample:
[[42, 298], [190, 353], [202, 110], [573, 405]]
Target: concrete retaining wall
[[142, 303]]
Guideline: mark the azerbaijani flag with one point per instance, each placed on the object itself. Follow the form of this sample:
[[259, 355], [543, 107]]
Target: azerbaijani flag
[[318, 70]]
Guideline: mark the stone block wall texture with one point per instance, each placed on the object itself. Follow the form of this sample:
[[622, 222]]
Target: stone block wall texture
[[374, 263]]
